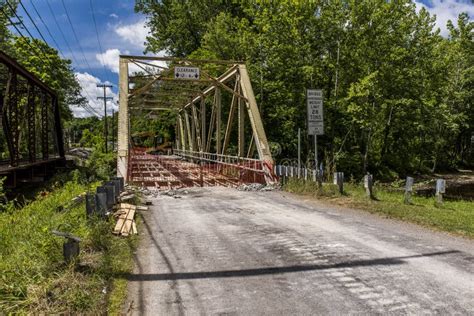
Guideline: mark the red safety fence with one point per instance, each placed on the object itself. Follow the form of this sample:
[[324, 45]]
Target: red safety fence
[[186, 169]]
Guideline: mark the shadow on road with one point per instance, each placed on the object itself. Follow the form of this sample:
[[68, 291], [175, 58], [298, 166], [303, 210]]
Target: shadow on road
[[277, 270]]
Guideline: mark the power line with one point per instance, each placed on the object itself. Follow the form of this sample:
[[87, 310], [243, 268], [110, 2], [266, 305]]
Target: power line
[[24, 26], [105, 98], [77, 40], [19, 20], [98, 39], [32, 21], [87, 107], [67, 44], [61, 32], [18, 30], [75, 36], [47, 29]]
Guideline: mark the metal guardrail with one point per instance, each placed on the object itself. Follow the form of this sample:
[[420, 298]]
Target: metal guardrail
[[250, 164]]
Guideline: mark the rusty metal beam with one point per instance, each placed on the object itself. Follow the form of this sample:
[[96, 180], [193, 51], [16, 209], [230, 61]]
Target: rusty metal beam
[[31, 122], [181, 60]]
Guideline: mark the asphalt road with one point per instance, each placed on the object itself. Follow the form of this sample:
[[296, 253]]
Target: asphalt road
[[219, 251]]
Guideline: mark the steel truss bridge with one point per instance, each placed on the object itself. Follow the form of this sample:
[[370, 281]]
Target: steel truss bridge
[[219, 135], [31, 140]]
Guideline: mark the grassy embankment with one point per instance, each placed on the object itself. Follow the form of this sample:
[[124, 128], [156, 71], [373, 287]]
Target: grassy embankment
[[34, 278], [452, 216]]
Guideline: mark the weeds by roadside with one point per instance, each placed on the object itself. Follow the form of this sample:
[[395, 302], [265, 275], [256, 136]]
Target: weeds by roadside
[[453, 216], [34, 277]]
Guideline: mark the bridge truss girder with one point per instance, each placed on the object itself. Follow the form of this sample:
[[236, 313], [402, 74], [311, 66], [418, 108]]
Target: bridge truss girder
[[29, 110], [199, 106]]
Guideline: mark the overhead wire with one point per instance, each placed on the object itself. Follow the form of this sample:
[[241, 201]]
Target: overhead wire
[[32, 21], [98, 39], [17, 29], [68, 46], [87, 107], [47, 28], [75, 35], [13, 11]]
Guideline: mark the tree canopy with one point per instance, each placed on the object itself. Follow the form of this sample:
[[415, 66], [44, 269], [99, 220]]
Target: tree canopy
[[398, 96]]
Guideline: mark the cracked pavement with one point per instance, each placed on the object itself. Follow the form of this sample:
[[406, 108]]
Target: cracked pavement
[[220, 251]]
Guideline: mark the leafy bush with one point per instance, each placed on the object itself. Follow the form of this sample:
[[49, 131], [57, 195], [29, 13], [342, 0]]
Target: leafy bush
[[34, 277]]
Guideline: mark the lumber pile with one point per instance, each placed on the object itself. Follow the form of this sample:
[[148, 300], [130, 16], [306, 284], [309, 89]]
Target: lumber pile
[[125, 225]]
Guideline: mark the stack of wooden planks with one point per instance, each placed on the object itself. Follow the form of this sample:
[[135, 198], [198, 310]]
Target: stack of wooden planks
[[125, 222]]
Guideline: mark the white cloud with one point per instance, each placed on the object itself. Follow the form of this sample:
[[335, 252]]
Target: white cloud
[[447, 10], [110, 59], [90, 91], [135, 33], [113, 15]]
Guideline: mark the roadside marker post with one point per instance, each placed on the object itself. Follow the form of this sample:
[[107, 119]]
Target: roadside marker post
[[90, 205], [339, 181], [408, 190], [440, 190], [101, 203], [368, 185], [70, 247], [299, 151]]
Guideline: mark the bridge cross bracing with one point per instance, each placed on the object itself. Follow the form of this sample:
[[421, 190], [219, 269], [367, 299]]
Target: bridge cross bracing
[[218, 125], [31, 139]]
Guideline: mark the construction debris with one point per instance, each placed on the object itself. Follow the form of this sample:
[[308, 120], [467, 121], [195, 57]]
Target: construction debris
[[126, 197], [257, 187], [125, 223]]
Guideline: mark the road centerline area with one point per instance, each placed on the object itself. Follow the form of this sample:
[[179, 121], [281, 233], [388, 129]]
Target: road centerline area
[[223, 251]]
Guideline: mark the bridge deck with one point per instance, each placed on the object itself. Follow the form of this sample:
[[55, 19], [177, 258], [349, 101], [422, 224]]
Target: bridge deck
[[6, 168], [172, 172]]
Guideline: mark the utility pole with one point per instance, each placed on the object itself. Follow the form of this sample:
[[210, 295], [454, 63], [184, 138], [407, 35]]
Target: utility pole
[[113, 130], [105, 98]]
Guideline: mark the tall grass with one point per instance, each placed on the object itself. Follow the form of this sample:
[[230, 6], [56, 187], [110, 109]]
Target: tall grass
[[34, 277], [452, 216]]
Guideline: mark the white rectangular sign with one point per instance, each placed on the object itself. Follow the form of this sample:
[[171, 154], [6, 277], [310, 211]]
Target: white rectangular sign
[[186, 72], [314, 101]]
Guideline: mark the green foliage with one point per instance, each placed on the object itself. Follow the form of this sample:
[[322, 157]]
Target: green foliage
[[100, 165], [398, 96], [453, 216], [34, 278]]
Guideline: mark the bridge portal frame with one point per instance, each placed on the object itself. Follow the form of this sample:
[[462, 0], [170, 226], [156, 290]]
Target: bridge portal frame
[[193, 129]]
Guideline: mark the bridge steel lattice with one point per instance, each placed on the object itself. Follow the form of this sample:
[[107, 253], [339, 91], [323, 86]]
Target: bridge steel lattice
[[213, 113], [31, 128]]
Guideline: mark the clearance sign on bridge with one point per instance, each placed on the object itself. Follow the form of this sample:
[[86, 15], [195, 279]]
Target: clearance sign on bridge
[[186, 72], [315, 112]]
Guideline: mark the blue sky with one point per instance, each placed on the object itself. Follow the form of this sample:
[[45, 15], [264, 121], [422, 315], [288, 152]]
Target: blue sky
[[122, 31]]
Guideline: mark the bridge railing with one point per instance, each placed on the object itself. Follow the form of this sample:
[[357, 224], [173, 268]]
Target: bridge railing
[[243, 170]]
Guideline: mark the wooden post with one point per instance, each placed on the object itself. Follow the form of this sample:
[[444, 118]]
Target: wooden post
[[408, 190]]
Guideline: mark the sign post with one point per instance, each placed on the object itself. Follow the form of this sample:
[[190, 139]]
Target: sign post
[[314, 99]]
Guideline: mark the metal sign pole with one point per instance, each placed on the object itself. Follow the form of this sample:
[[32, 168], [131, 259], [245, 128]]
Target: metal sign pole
[[299, 151], [316, 152]]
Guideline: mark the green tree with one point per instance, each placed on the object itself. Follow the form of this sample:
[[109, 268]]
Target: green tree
[[398, 96]]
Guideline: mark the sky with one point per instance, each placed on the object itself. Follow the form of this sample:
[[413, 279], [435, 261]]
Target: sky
[[122, 31]]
